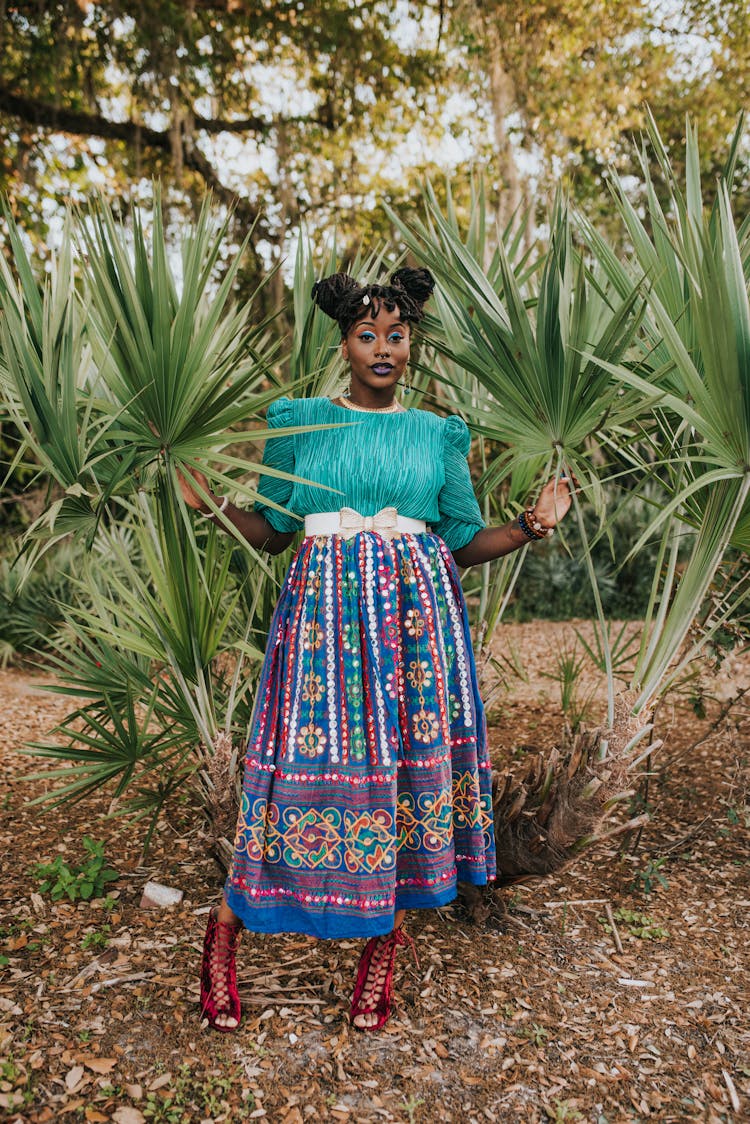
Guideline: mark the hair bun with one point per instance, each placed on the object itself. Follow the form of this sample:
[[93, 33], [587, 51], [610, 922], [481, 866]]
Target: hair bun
[[418, 283], [329, 293]]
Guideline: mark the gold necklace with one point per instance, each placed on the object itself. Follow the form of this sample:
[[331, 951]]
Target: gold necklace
[[394, 408]]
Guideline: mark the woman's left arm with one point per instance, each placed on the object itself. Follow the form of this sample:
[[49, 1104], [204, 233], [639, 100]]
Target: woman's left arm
[[493, 542]]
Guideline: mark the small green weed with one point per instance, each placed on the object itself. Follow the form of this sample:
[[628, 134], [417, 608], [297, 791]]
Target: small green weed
[[79, 882], [165, 1110], [9, 1071], [561, 1112], [570, 665], [650, 876], [739, 817], [189, 1098], [411, 1106], [638, 924], [536, 1034], [99, 938], [110, 1090], [638, 804], [10, 1074]]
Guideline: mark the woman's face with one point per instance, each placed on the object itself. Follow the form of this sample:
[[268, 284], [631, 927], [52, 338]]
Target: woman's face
[[377, 349]]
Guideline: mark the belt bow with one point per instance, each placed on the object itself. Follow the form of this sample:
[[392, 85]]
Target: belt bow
[[383, 522]]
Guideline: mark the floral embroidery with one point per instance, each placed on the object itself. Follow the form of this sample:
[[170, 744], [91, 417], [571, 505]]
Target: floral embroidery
[[312, 635], [311, 741], [313, 690], [354, 691], [313, 585], [357, 747], [425, 725], [419, 674], [370, 841], [313, 838], [349, 585], [350, 636], [363, 840], [407, 570], [390, 634], [414, 623]]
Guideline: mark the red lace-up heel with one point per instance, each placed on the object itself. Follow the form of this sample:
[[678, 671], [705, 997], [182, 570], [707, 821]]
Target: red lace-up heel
[[378, 958], [219, 995]]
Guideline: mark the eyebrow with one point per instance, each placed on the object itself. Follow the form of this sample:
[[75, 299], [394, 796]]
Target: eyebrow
[[371, 324]]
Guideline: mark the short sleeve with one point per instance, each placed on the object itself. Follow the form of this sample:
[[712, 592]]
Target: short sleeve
[[460, 517], [279, 454]]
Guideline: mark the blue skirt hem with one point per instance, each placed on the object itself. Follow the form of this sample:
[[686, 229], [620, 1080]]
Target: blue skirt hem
[[293, 918]]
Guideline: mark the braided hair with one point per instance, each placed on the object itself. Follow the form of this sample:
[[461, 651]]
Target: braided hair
[[346, 301]]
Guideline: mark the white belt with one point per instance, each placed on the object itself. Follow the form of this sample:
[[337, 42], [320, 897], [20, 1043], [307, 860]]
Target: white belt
[[347, 522]]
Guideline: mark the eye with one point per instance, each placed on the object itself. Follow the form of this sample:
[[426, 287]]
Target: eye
[[396, 337], [366, 336]]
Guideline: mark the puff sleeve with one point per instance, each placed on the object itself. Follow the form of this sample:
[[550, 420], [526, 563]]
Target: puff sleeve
[[460, 517], [278, 453]]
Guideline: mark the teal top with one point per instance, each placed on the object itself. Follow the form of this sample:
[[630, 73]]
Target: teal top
[[414, 461]]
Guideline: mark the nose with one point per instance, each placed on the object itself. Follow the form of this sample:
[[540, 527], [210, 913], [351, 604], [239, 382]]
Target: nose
[[383, 350]]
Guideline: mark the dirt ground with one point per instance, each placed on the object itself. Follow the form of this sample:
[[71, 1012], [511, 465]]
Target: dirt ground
[[536, 1015]]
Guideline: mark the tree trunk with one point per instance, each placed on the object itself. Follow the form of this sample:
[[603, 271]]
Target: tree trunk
[[503, 98], [557, 805]]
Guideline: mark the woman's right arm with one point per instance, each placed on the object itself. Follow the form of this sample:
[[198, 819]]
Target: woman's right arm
[[249, 525]]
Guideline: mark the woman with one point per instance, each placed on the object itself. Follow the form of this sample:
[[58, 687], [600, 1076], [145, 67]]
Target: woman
[[367, 780]]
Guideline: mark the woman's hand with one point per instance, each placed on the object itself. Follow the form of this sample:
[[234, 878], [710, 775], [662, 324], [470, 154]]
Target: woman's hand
[[554, 500], [189, 494]]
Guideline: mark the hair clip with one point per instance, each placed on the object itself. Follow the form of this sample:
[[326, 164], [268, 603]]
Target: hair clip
[[366, 298]]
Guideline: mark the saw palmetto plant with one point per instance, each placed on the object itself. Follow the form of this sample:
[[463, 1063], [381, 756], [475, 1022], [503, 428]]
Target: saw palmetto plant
[[700, 316], [696, 347], [161, 654], [586, 353], [533, 336], [120, 370]]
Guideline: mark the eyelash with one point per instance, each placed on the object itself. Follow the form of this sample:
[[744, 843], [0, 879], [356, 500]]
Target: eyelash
[[367, 337]]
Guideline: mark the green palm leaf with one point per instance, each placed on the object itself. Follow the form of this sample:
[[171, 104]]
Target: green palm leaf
[[698, 320]]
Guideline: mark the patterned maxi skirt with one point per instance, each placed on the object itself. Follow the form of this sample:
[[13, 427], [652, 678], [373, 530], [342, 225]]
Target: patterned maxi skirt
[[367, 781]]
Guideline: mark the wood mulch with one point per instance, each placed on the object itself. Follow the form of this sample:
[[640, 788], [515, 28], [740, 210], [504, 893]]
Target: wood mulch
[[546, 1012]]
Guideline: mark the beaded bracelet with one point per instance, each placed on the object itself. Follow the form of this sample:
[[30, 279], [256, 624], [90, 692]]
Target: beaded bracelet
[[222, 508], [531, 526]]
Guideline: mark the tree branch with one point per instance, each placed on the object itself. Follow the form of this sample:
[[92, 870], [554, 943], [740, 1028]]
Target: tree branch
[[44, 116], [38, 113]]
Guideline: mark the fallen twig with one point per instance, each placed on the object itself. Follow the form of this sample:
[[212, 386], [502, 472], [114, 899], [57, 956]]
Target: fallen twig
[[112, 980], [613, 927], [579, 901], [732, 1090]]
